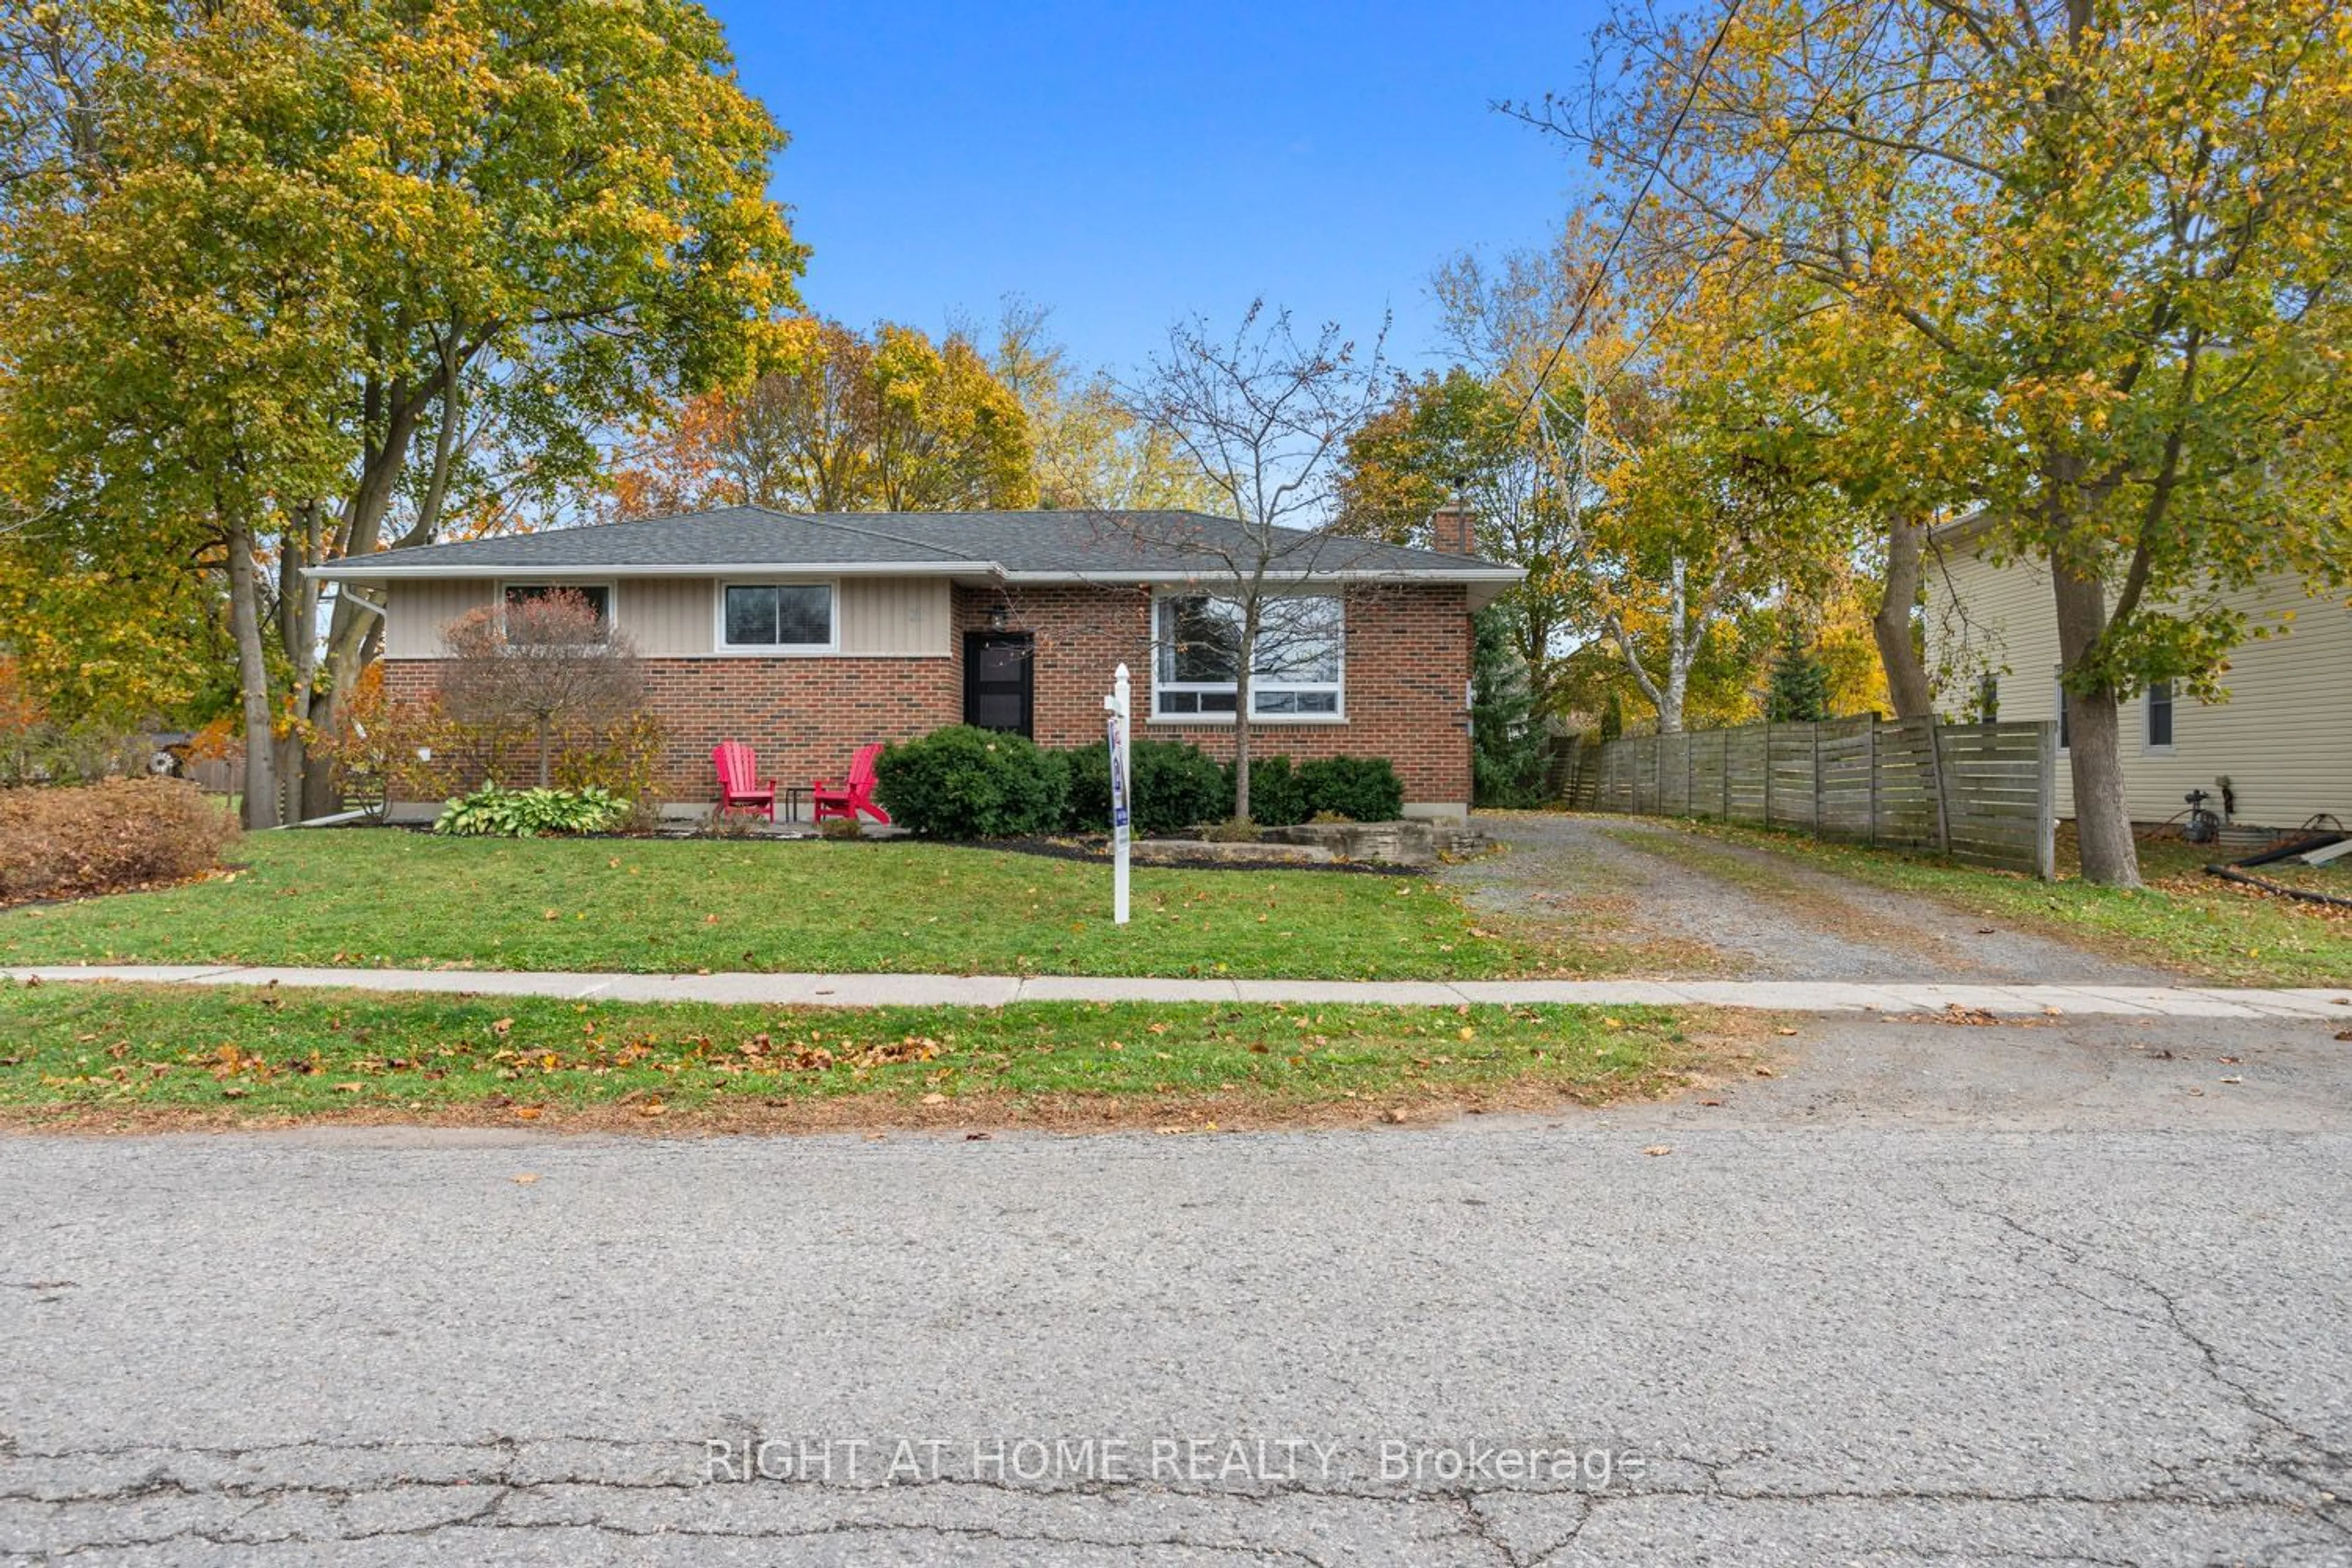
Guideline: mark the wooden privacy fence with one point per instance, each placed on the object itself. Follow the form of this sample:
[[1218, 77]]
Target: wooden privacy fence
[[1985, 794]]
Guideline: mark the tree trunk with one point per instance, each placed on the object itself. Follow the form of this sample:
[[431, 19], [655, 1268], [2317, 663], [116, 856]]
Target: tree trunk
[[1670, 708], [351, 630], [253, 679], [546, 750], [1906, 672], [2093, 735]]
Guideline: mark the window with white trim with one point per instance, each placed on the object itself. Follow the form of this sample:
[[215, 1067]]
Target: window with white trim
[[1298, 670], [776, 617], [2159, 716]]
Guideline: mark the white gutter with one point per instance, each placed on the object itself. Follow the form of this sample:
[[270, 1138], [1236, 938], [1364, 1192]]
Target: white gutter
[[1390, 574], [339, 572]]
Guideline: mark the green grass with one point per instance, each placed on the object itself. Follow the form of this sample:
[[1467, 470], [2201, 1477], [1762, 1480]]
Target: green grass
[[384, 898], [2205, 928], [88, 1050]]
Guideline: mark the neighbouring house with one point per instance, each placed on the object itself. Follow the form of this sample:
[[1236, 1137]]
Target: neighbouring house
[[2282, 744], [805, 635]]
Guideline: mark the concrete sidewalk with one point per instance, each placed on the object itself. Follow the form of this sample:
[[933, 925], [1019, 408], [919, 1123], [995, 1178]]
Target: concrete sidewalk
[[998, 989]]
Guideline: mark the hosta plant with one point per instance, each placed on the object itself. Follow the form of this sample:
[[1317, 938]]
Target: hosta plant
[[492, 812]]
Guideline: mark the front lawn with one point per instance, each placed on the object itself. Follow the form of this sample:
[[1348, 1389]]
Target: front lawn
[[101, 1055], [384, 898], [2214, 931]]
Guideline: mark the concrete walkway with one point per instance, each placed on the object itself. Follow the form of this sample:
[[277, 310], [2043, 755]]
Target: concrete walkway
[[998, 989]]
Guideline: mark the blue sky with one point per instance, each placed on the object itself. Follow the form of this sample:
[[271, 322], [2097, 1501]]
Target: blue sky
[[1130, 167]]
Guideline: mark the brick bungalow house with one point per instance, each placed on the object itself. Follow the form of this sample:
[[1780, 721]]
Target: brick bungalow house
[[806, 636]]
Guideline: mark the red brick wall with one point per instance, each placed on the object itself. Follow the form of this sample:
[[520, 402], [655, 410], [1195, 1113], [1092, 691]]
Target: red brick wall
[[803, 717], [1408, 662], [1408, 659]]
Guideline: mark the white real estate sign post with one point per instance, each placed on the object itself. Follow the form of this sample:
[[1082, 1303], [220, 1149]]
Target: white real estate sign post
[[1117, 707]]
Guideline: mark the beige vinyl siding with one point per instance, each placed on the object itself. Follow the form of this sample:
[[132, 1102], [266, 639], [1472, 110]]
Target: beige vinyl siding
[[666, 618], [677, 617], [415, 613], [882, 615], [2283, 738]]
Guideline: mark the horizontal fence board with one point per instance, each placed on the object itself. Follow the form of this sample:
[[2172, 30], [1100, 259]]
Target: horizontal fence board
[[1981, 793]]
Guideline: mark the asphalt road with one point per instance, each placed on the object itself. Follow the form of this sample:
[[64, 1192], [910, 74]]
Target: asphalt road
[[1844, 1320]]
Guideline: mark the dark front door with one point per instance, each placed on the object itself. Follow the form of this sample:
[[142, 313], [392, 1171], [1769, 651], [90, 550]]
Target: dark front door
[[999, 690]]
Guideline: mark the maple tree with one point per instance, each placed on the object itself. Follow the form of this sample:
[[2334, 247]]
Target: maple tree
[[1464, 439], [2110, 242], [838, 420], [286, 284], [1091, 451]]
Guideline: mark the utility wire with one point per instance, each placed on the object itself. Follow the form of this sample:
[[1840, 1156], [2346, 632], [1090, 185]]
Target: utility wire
[[1600, 270]]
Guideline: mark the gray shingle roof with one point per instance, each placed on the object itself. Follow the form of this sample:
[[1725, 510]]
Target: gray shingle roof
[[1020, 543]]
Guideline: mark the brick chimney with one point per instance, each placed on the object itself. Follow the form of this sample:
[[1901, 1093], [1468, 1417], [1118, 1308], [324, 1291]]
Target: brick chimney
[[1450, 529]]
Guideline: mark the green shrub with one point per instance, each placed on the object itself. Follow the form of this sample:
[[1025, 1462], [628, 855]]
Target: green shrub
[[492, 812], [963, 783], [1277, 798], [71, 841], [1362, 789], [1176, 787]]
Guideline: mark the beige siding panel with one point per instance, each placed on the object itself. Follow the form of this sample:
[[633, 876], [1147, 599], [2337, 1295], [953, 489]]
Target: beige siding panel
[[2284, 739], [675, 617], [667, 617], [894, 615], [414, 613]]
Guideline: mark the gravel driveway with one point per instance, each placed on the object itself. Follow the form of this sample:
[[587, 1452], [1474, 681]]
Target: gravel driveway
[[1594, 879]]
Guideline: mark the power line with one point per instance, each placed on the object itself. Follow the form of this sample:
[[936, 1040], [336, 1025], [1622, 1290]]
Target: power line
[[1600, 270], [1779, 161]]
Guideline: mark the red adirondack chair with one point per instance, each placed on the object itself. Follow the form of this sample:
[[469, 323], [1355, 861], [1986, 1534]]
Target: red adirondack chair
[[739, 790], [847, 797]]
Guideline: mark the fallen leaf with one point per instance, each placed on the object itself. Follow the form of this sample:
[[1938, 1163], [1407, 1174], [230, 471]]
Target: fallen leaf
[[500, 1027], [1468, 1032], [978, 1137], [553, 915], [1710, 1103], [1393, 1118], [1765, 1072], [1984, 930], [935, 1098], [1784, 1030], [2234, 1080], [652, 1108], [524, 1179], [351, 1088], [2227, 1061], [1656, 1148], [527, 1112]]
